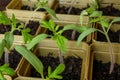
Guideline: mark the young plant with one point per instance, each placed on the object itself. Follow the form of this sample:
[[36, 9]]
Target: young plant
[[57, 36], [96, 17], [37, 64]]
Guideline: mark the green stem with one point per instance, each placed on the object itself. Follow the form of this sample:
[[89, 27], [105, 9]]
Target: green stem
[[111, 51], [60, 57]]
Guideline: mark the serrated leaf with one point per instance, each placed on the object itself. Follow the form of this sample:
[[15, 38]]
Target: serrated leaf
[[2, 45], [84, 34], [96, 14], [5, 69], [56, 73], [104, 23], [36, 40], [61, 42], [26, 36], [44, 24], [9, 37], [49, 70], [4, 19], [52, 24], [51, 12], [31, 58]]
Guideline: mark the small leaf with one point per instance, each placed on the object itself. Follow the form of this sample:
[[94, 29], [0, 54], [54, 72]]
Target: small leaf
[[84, 34], [49, 70], [36, 40], [83, 13], [31, 58], [104, 23], [9, 37], [52, 24], [44, 24], [51, 12], [5, 69], [95, 20], [56, 73], [96, 14]]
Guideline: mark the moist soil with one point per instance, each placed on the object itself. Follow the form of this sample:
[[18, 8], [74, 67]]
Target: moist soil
[[110, 11], [32, 25], [101, 71], [74, 10], [114, 36], [3, 4], [68, 34], [14, 59], [72, 71], [26, 7]]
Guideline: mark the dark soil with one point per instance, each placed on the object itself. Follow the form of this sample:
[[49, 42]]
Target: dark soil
[[67, 34], [64, 10], [101, 71], [114, 36], [72, 70], [25, 7], [14, 59], [3, 4], [32, 25], [110, 11]]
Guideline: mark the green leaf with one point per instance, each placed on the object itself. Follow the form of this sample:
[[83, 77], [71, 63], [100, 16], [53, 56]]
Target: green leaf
[[2, 45], [84, 34], [31, 58], [9, 37], [56, 73], [83, 13], [36, 40], [104, 23], [95, 20], [2, 76], [49, 70], [96, 14], [5, 69], [26, 36], [52, 24], [4, 19], [74, 27], [61, 42], [45, 24], [51, 12]]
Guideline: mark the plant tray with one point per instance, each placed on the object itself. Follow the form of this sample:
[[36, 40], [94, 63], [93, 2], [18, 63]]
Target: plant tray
[[47, 46], [69, 17], [14, 8], [100, 52]]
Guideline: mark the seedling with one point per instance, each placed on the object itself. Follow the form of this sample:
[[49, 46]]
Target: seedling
[[37, 64], [95, 17], [60, 40]]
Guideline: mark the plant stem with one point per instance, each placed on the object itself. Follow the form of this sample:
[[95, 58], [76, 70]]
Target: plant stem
[[111, 51], [6, 56], [60, 57]]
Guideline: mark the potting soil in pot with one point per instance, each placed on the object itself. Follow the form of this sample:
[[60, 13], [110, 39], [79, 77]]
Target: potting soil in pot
[[101, 71], [64, 10], [72, 71], [14, 59]]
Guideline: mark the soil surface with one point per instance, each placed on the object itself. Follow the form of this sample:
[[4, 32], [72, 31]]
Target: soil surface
[[25, 7], [14, 59], [64, 10], [3, 4], [32, 25], [72, 70], [114, 36], [110, 11], [101, 71]]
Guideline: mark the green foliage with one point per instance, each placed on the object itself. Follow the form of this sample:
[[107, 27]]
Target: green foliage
[[4, 19], [26, 36], [5, 69], [56, 73], [37, 64], [32, 59], [57, 34], [36, 40]]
